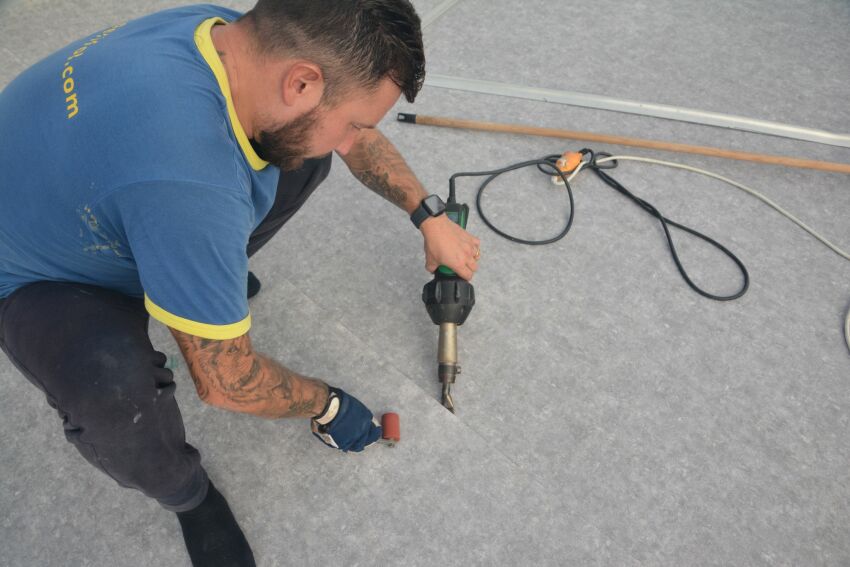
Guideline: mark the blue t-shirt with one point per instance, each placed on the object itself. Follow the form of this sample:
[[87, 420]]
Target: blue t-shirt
[[123, 165]]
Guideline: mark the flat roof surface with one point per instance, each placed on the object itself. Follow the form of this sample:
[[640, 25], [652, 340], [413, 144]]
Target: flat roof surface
[[606, 413]]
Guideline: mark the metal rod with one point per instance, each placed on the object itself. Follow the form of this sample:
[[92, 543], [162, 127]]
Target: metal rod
[[640, 108], [624, 141], [448, 368], [447, 351]]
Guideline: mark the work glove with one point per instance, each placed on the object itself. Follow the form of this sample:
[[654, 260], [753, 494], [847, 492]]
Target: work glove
[[345, 424]]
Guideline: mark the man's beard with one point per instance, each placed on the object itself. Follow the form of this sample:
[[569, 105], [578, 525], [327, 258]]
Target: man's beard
[[287, 146]]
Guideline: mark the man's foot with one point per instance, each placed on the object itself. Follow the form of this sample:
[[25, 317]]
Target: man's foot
[[213, 538], [254, 285]]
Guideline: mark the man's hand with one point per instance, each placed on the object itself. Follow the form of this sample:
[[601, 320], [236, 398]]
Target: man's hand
[[447, 244], [346, 424], [377, 164]]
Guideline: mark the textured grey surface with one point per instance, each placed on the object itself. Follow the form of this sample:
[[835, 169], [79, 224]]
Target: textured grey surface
[[607, 414], [782, 60]]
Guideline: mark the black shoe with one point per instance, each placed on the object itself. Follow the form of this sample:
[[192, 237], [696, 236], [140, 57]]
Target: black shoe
[[212, 536], [254, 285]]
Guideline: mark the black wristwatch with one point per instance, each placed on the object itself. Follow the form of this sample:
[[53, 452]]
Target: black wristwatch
[[431, 206]]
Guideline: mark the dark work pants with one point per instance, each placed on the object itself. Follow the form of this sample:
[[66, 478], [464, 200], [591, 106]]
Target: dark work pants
[[87, 348]]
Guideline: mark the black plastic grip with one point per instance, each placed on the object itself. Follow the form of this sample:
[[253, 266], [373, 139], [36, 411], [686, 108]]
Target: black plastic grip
[[405, 117]]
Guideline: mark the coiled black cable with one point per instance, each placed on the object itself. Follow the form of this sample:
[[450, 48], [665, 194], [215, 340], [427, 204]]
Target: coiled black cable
[[497, 172], [600, 170]]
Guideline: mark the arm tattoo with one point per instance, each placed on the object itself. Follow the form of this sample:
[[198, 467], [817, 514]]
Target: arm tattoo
[[232, 373], [380, 184], [377, 164]]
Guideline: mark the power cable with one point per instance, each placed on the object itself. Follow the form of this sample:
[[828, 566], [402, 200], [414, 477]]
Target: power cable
[[600, 163]]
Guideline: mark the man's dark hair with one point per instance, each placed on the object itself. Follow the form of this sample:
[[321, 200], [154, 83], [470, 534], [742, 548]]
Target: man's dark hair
[[355, 42]]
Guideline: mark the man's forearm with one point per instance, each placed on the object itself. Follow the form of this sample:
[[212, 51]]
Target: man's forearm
[[379, 166], [231, 375], [273, 391]]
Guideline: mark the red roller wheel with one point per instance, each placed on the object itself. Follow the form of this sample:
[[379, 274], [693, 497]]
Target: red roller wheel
[[390, 426]]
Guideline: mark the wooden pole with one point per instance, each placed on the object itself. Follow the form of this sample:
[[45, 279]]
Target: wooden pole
[[623, 141]]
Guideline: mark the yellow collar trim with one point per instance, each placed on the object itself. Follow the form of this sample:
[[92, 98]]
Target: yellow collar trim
[[203, 39]]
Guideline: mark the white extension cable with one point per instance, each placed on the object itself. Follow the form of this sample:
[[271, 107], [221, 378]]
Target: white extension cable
[[744, 188]]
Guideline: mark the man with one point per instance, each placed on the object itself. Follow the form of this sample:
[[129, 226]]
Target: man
[[142, 167]]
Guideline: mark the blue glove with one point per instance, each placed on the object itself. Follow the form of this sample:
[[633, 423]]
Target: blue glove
[[346, 424]]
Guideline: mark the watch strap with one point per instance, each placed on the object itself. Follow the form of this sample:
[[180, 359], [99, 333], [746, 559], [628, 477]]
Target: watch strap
[[421, 213], [419, 216]]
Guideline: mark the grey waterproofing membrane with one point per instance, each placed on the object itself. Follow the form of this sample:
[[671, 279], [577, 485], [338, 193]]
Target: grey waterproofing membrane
[[607, 414]]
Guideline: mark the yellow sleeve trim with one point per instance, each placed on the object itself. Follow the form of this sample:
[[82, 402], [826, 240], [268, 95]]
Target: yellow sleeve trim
[[203, 330], [203, 39]]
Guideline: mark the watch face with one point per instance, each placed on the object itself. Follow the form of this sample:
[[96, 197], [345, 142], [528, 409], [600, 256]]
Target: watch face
[[433, 204]]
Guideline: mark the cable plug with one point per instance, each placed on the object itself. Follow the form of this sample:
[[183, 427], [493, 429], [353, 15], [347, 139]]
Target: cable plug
[[567, 163]]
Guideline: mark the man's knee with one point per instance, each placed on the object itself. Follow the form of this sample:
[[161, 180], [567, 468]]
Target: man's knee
[[87, 348], [115, 384], [84, 347]]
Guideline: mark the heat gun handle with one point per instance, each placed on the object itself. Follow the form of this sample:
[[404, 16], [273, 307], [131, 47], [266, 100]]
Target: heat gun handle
[[458, 213]]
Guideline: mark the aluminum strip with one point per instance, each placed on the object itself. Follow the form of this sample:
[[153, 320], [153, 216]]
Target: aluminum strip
[[640, 108]]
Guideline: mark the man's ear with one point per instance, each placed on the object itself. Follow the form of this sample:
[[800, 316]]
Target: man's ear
[[303, 85]]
